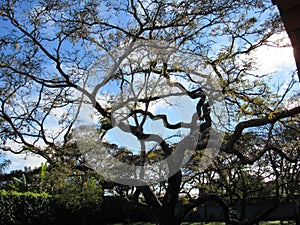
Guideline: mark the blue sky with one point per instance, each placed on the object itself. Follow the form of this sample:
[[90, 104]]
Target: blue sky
[[277, 61]]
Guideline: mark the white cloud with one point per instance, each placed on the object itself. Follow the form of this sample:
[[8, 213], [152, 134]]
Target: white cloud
[[291, 103], [272, 59], [20, 161]]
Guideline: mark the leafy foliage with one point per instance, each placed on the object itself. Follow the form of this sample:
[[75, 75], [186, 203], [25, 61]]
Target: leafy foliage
[[25, 208], [54, 58]]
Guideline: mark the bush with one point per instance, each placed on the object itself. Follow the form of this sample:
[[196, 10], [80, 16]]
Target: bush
[[26, 208]]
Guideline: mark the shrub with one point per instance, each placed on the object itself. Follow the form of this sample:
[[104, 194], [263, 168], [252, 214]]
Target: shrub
[[26, 208]]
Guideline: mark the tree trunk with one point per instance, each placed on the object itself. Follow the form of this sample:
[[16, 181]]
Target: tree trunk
[[290, 15], [165, 211], [170, 201]]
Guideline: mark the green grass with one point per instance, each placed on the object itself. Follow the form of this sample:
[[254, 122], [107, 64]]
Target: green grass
[[278, 223]]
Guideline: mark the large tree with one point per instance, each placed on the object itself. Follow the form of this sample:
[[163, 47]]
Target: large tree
[[124, 66]]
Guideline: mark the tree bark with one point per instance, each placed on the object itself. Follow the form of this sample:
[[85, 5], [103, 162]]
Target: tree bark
[[290, 15], [168, 216], [165, 211]]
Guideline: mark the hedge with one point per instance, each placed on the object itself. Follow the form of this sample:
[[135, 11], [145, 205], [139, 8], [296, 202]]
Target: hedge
[[26, 208]]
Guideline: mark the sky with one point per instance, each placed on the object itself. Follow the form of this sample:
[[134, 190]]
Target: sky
[[20, 161], [279, 61]]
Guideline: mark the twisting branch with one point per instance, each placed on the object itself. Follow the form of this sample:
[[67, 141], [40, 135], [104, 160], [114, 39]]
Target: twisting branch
[[272, 118]]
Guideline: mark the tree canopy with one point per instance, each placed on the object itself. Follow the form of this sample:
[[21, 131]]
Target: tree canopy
[[163, 83]]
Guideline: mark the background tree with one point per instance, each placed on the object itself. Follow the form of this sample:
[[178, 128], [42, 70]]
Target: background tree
[[70, 191], [54, 59], [4, 164]]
